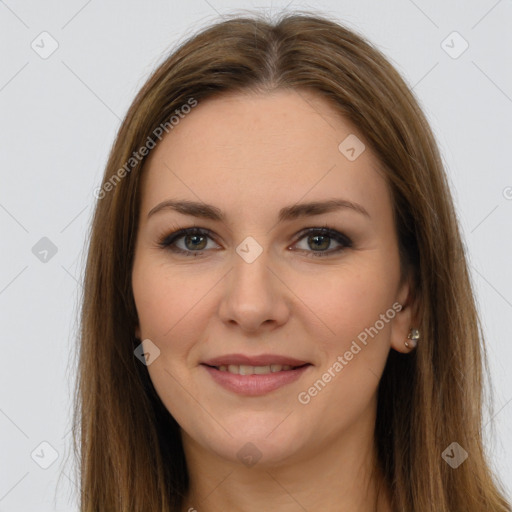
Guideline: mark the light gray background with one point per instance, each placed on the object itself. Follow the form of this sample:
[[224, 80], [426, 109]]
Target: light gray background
[[59, 116]]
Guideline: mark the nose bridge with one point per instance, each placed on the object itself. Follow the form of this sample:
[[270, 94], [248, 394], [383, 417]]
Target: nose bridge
[[252, 294], [251, 275]]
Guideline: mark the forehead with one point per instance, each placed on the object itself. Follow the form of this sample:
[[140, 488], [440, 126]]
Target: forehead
[[258, 152]]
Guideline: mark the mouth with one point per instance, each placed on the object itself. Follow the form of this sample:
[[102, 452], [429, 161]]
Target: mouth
[[254, 376], [245, 369]]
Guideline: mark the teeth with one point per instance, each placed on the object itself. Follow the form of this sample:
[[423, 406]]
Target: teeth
[[245, 369], [260, 370]]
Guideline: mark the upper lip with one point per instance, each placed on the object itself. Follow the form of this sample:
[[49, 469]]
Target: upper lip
[[261, 360]]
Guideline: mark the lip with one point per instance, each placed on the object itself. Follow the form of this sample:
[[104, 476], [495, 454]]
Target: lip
[[260, 360], [256, 384]]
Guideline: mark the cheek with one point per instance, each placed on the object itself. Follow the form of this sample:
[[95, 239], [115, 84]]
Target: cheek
[[163, 299], [165, 303], [347, 300], [354, 347]]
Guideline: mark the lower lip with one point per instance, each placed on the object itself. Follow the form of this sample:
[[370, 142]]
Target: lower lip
[[254, 385]]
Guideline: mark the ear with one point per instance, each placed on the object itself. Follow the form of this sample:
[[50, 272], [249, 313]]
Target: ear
[[137, 332], [406, 318]]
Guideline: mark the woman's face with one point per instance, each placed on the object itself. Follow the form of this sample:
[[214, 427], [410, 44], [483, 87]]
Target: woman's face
[[262, 328]]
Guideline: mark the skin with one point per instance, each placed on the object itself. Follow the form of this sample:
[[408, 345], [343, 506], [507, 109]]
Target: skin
[[250, 155]]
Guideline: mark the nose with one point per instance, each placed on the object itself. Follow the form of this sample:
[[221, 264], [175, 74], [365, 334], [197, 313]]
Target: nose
[[254, 295]]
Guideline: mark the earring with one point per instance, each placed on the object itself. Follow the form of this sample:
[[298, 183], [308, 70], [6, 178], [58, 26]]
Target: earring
[[413, 337]]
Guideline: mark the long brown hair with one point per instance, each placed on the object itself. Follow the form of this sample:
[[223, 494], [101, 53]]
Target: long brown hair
[[128, 444]]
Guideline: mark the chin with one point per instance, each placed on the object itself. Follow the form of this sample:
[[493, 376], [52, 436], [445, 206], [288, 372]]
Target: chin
[[266, 441]]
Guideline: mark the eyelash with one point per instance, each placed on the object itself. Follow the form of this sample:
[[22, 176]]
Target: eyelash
[[168, 241]]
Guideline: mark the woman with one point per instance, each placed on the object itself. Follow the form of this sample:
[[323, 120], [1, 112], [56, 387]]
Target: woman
[[321, 348]]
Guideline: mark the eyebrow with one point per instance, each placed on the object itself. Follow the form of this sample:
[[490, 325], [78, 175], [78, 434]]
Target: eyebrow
[[208, 211]]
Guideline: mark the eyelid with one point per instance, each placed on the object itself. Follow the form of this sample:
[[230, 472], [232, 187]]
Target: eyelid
[[170, 238], [324, 230], [167, 241]]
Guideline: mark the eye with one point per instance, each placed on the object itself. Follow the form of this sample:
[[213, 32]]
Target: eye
[[321, 239], [194, 241]]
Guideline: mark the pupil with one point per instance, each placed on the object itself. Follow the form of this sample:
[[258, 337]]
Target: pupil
[[316, 237], [194, 244]]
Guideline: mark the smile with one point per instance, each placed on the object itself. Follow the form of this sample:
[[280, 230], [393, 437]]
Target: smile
[[255, 380], [245, 369]]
